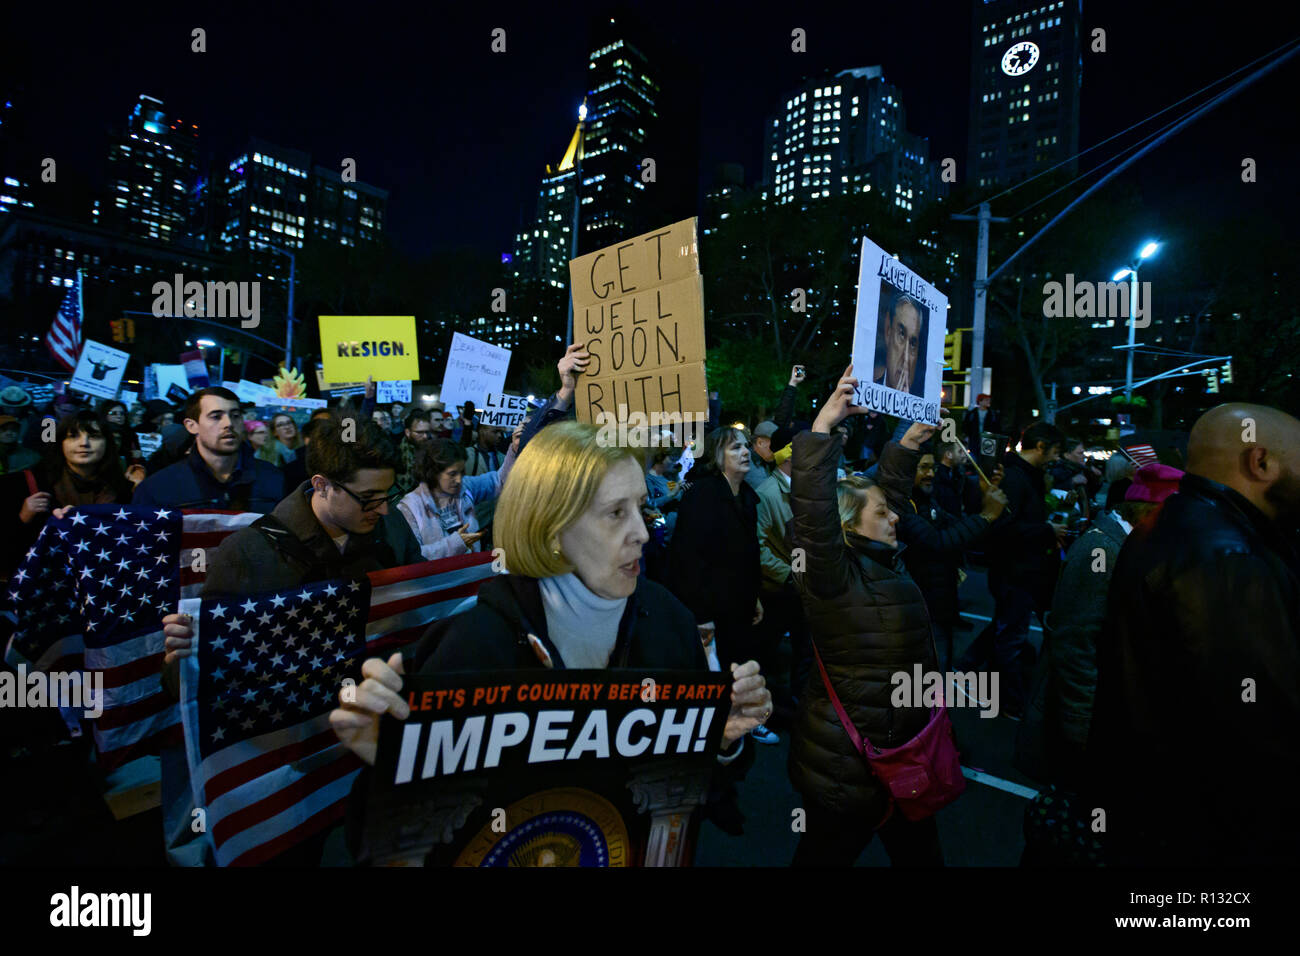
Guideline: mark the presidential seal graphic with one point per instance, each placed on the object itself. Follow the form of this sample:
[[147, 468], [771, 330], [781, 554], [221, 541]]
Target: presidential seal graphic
[[562, 827]]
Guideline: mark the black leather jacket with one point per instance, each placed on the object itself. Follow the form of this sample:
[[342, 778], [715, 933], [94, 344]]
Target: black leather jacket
[[1195, 741]]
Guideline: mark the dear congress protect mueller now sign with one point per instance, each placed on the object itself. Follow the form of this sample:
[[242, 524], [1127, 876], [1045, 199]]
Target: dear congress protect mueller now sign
[[356, 346]]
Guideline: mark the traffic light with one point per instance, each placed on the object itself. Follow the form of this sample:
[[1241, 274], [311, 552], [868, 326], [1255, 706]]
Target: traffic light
[[952, 350], [1212, 382], [119, 334], [1227, 372]]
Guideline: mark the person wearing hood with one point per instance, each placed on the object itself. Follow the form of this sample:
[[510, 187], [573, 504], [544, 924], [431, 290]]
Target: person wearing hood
[[868, 621], [221, 470]]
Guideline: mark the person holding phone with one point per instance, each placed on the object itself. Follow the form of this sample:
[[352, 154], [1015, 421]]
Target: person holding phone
[[441, 510]]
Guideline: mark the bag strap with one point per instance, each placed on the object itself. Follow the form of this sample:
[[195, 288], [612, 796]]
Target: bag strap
[[839, 708]]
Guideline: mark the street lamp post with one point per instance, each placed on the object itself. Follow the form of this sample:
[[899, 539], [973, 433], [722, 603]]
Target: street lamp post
[[1131, 273], [288, 332]]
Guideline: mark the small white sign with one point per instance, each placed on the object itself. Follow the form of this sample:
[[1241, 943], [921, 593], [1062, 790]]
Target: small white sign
[[474, 369], [99, 370], [389, 392], [503, 411]]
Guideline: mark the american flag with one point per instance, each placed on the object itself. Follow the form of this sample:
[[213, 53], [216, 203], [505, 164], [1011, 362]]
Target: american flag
[[1142, 455], [91, 595], [64, 338], [264, 763]]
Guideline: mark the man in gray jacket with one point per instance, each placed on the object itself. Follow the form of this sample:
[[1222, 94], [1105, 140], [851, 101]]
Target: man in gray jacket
[[782, 610]]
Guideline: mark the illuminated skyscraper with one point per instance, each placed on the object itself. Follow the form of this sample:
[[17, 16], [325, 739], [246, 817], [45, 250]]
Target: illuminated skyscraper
[[847, 133], [1026, 72], [152, 175]]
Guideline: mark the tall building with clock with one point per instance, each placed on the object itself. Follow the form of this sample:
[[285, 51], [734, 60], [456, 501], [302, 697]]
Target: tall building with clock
[[1026, 71]]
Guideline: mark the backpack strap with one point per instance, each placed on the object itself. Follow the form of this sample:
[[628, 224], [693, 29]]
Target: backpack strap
[[285, 541]]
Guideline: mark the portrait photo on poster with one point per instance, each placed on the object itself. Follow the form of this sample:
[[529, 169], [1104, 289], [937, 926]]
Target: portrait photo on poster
[[898, 338]]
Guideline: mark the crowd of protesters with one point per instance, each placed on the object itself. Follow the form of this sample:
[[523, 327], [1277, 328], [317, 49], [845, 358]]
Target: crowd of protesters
[[1169, 602]]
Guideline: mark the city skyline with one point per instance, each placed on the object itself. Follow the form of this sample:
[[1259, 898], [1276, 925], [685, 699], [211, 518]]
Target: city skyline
[[497, 156]]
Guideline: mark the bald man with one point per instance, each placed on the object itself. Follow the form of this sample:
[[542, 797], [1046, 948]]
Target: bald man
[[1195, 742]]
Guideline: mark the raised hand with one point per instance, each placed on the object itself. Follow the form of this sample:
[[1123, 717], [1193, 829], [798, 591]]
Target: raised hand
[[840, 404]]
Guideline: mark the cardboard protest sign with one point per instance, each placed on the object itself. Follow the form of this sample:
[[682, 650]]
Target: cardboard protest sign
[[389, 392], [898, 339], [639, 308], [355, 347], [99, 370], [545, 768], [474, 369], [503, 411]]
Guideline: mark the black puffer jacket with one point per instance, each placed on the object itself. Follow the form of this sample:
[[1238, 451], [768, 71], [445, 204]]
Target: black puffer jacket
[[935, 541], [868, 621], [1191, 769]]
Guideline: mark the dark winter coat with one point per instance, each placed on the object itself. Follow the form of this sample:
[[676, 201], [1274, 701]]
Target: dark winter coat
[[957, 492], [1195, 738], [935, 540], [970, 427], [868, 621], [713, 557], [256, 485], [1023, 545], [1051, 738]]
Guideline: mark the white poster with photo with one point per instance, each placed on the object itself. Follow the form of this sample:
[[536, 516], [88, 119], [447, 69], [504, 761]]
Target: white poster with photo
[[474, 369], [503, 411], [168, 375], [99, 370], [388, 392], [898, 339]]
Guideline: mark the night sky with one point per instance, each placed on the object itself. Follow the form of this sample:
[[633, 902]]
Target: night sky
[[460, 135]]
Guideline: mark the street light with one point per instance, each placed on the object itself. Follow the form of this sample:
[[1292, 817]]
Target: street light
[[1130, 272]]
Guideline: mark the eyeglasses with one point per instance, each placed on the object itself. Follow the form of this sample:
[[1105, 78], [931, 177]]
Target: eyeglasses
[[370, 504]]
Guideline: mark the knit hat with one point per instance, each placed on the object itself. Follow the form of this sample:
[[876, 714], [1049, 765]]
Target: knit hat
[[1154, 483]]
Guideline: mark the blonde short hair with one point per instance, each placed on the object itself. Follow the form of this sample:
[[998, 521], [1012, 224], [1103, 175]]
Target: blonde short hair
[[551, 484], [851, 493]]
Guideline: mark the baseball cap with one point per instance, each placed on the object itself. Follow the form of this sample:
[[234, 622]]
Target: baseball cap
[[765, 429]]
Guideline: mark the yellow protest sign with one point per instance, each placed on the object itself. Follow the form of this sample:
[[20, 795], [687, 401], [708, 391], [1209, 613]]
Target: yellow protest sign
[[355, 347], [638, 306]]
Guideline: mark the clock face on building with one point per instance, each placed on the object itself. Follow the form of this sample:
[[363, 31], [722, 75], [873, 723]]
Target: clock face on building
[[1020, 58]]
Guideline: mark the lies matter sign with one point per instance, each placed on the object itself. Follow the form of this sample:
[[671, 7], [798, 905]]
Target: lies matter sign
[[638, 306]]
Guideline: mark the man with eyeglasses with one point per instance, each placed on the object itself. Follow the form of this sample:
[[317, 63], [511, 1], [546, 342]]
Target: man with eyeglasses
[[337, 524]]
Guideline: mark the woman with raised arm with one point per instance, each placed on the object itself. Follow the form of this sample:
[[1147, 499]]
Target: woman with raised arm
[[868, 621], [441, 509]]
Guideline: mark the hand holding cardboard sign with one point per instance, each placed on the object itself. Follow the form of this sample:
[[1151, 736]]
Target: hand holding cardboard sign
[[572, 364], [356, 720], [751, 702]]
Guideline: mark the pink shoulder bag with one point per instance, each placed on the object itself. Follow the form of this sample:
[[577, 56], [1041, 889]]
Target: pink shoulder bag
[[924, 774]]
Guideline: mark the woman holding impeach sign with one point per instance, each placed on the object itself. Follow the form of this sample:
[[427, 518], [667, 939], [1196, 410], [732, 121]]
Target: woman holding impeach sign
[[570, 523]]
